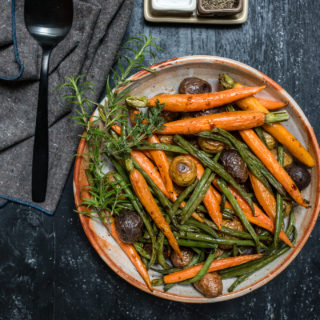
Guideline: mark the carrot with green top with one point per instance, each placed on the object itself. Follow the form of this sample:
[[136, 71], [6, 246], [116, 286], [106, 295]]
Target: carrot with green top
[[215, 266], [230, 121], [202, 101], [277, 130]]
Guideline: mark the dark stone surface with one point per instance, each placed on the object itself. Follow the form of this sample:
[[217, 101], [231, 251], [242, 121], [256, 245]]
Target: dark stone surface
[[48, 269]]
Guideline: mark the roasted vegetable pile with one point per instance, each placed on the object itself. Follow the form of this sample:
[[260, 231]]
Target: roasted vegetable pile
[[204, 184]]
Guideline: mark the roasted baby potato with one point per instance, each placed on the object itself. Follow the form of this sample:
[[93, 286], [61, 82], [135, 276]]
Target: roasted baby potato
[[183, 171], [194, 85], [129, 226], [187, 255], [234, 165], [210, 285], [210, 145]]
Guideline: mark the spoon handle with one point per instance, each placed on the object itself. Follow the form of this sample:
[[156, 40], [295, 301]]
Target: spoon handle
[[41, 148]]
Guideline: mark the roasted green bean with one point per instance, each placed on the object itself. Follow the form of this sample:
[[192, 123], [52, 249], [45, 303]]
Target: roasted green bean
[[197, 195], [259, 133], [291, 223], [213, 136], [161, 259], [206, 228], [239, 280], [224, 188], [205, 237], [188, 228], [228, 214], [162, 146], [182, 197], [279, 204], [260, 263], [230, 231], [141, 251]]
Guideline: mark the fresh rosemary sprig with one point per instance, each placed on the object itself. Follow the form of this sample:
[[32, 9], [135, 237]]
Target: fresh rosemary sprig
[[134, 136], [108, 195]]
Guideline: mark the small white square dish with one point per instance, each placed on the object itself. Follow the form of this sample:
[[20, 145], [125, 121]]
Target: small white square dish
[[176, 6]]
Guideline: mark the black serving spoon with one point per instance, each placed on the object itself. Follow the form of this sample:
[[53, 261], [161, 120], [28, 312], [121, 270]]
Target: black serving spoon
[[48, 21]]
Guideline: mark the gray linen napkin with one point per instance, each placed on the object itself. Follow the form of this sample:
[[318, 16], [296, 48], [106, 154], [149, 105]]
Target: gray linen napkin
[[89, 48]]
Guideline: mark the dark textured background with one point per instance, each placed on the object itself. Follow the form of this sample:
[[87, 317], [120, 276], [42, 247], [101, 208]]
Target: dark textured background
[[48, 269]]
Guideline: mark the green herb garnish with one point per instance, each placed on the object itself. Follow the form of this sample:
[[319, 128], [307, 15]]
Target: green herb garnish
[[107, 195]]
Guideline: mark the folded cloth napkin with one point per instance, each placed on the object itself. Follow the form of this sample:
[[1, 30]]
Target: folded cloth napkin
[[89, 48]]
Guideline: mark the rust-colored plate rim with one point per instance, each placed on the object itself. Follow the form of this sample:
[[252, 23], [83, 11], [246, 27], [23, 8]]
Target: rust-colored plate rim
[[98, 245]]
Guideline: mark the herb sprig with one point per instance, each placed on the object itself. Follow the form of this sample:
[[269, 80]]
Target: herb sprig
[[134, 136], [108, 195]]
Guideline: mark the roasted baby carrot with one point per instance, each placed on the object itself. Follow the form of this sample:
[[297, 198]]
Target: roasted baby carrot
[[215, 266], [237, 120], [148, 154], [288, 140], [150, 169], [133, 114], [218, 196], [268, 159], [277, 130], [264, 196], [160, 159], [271, 104], [142, 191], [202, 101], [116, 129]]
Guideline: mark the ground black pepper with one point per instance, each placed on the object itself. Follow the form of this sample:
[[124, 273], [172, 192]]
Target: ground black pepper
[[219, 4]]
